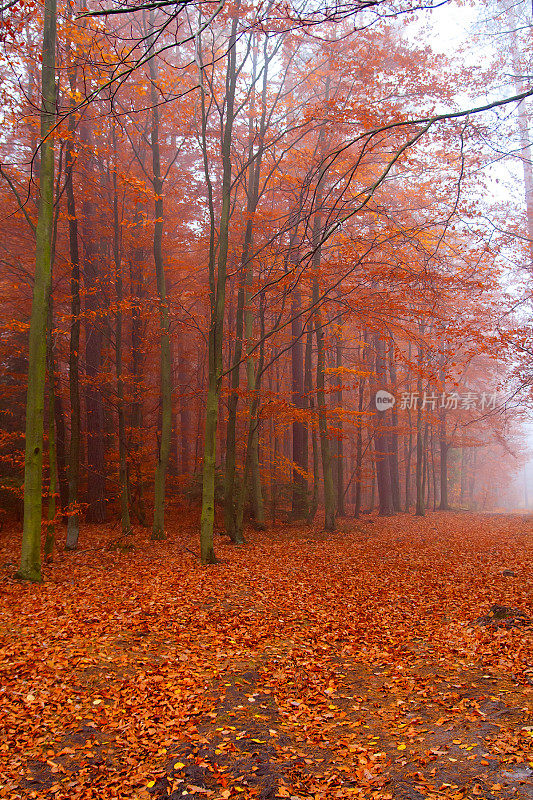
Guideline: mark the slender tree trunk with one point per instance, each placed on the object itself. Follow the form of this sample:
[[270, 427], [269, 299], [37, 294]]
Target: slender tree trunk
[[253, 423], [158, 529], [93, 262], [217, 298], [472, 481], [425, 469], [123, 467], [136, 283], [393, 437], [443, 448], [359, 449], [464, 476], [185, 418], [433, 472], [30, 560], [230, 519], [52, 451], [60, 442], [408, 443], [381, 439], [340, 442], [244, 326], [359, 437], [329, 491], [73, 524], [300, 445], [308, 381], [374, 478], [443, 445], [420, 510]]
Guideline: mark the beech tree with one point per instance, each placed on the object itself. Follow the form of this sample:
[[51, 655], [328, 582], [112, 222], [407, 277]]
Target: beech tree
[[30, 559]]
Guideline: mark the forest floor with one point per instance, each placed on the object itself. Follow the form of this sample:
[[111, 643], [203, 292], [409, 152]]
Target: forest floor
[[370, 663]]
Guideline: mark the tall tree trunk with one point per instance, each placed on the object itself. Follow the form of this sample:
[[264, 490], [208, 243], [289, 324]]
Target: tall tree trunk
[[464, 476], [329, 491], [300, 444], [339, 401], [30, 559], [359, 437], [381, 439], [217, 294], [123, 467], [52, 451], [94, 257], [425, 469], [136, 283], [230, 518], [253, 422], [443, 444], [393, 436], [359, 449], [420, 510], [185, 418], [308, 386], [158, 529], [244, 325], [73, 524], [60, 442], [520, 69]]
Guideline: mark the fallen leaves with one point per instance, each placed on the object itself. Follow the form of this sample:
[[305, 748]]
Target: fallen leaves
[[350, 679]]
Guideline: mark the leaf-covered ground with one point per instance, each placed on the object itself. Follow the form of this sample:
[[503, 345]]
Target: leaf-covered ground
[[370, 663]]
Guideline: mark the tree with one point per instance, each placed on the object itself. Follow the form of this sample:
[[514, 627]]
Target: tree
[[30, 559]]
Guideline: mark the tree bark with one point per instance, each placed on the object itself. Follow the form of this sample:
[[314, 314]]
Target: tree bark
[[30, 559]]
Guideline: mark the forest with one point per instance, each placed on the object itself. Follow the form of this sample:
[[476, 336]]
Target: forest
[[265, 399]]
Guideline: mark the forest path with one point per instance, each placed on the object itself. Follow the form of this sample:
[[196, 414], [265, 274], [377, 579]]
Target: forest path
[[367, 663]]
